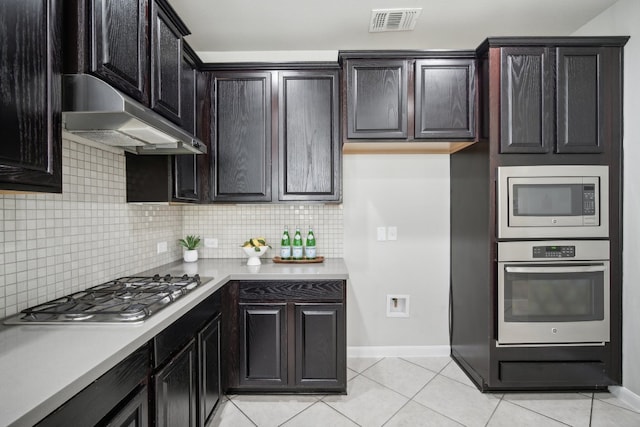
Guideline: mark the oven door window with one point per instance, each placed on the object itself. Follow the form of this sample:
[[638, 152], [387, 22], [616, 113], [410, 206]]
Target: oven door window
[[554, 293]]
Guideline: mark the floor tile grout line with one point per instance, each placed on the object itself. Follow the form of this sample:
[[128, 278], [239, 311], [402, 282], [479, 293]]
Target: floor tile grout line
[[437, 372], [535, 412], [591, 410], [344, 415], [242, 412], [494, 411]]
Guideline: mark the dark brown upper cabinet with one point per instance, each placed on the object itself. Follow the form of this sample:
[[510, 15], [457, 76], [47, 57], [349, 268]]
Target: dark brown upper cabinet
[[377, 93], [30, 95], [407, 96], [444, 99], [166, 62], [241, 154], [526, 100], [309, 145], [120, 45], [275, 136], [555, 99]]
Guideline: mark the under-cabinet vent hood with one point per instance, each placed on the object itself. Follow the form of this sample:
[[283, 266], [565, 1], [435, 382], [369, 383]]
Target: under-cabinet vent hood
[[96, 111]]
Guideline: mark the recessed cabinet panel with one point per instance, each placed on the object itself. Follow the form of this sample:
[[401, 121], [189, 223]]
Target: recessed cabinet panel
[[263, 352], [319, 349], [526, 98], [120, 52], [580, 98], [309, 146], [377, 99], [175, 390], [209, 360], [166, 66], [242, 141], [445, 97], [30, 95]]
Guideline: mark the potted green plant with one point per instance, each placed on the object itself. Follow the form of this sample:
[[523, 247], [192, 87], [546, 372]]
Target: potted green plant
[[191, 244]]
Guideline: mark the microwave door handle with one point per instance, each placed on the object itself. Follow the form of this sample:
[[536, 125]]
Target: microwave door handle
[[576, 269]]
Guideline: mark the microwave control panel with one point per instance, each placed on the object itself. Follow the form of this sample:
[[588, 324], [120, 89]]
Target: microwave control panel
[[554, 251], [588, 200]]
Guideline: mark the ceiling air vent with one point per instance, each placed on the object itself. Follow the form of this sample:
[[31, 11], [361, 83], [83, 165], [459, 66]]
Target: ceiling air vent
[[383, 20]]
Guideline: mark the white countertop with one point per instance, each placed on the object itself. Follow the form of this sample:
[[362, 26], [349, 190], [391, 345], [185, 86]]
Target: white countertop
[[42, 366]]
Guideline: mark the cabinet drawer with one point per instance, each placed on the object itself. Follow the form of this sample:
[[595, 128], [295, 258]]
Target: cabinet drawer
[[307, 290]]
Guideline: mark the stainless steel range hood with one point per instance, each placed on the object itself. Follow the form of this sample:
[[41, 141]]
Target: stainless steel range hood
[[96, 111]]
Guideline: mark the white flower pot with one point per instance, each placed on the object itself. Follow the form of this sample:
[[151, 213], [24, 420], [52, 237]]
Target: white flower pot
[[191, 256]]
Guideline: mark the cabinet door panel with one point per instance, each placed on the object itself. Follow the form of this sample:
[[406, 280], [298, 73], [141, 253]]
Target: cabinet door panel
[[526, 98], [320, 345], [377, 99], [445, 99], [309, 146], [579, 100], [134, 414], [242, 141], [166, 66], [30, 95], [209, 359], [120, 52], [263, 352], [175, 387]]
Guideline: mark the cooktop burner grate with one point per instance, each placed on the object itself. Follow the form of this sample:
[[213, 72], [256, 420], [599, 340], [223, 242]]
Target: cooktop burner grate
[[125, 300]]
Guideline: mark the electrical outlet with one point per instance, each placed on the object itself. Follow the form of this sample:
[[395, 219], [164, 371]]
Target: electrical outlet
[[382, 234], [210, 242], [392, 233], [162, 247]]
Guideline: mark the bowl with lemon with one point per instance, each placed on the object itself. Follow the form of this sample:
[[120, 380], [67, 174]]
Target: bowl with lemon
[[254, 248]]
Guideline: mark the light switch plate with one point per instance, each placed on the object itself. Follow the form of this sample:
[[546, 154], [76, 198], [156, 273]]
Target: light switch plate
[[382, 233], [392, 233], [162, 247], [210, 242]]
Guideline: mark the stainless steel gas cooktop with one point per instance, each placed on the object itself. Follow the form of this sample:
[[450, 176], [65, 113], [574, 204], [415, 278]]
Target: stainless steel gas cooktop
[[124, 300]]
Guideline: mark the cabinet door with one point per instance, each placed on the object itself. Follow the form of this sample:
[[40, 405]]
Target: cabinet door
[[175, 390], [166, 65], [263, 351], [445, 99], [320, 345], [526, 100], [242, 137], [120, 49], [30, 95], [309, 147], [134, 414], [377, 99], [580, 100], [209, 362]]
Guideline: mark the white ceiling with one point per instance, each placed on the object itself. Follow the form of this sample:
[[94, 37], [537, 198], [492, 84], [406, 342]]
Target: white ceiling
[[290, 30]]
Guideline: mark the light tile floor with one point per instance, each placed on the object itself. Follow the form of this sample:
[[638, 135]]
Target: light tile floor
[[415, 392]]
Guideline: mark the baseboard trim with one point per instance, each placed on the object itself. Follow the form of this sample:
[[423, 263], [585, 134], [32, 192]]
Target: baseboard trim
[[627, 396], [399, 351]]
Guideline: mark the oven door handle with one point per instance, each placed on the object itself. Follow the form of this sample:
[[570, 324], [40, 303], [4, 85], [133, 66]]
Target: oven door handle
[[576, 269]]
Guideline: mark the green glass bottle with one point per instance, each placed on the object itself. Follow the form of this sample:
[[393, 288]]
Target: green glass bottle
[[297, 245], [285, 245], [310, 246]]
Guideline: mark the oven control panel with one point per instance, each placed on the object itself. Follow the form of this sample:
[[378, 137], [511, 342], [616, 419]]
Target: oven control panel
[[554, 251]]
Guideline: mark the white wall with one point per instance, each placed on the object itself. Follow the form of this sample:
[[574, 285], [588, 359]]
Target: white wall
[[623, 18], [410, 192]]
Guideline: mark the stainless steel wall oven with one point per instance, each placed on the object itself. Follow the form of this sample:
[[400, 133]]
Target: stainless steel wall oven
[[553, 292]]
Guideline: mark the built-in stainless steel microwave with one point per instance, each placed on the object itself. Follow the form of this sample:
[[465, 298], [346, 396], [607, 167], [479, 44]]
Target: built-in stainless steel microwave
[[565, 201]]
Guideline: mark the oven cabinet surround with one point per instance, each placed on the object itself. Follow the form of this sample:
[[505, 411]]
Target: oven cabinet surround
[[474, 242], [558, 98], [275, 135], [405, 96], [286, 336], [31, 103]]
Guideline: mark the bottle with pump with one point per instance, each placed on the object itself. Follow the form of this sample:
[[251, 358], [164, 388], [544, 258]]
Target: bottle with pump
[[310, 247], [285, 245], [297, 245]]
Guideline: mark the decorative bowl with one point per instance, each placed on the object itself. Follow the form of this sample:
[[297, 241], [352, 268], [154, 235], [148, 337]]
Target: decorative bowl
[[254, 256]]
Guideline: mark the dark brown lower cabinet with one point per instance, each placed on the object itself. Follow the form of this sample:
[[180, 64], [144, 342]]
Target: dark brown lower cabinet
[[319, 333], [135, 413], [291, 336], [209, 388], [263, 350], [175, 390]]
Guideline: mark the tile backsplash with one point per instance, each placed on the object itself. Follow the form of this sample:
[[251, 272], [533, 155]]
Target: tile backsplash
[[55, 244]]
